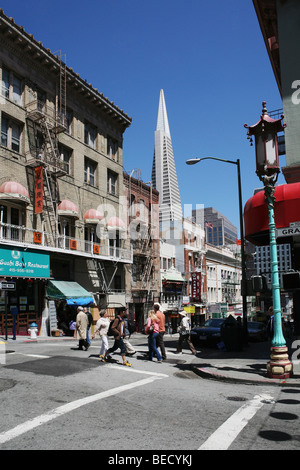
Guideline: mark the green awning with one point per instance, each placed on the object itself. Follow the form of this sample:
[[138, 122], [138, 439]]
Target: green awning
[[172, 277], [70, 291]]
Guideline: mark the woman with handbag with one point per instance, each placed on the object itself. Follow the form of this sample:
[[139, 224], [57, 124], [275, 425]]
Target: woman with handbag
[[152, 329]]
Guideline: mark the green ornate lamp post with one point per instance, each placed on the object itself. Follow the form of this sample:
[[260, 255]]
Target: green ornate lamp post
[[267, 169]]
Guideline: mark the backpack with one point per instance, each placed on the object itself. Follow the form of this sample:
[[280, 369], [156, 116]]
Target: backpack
[[131, 326], [110, 332]]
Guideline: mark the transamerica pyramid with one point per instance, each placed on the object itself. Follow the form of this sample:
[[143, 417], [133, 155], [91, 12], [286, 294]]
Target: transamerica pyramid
[[164, 176]]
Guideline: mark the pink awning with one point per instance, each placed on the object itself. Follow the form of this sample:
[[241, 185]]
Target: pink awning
[[68, 208], [92, 216], [115, 223], [14, 191]]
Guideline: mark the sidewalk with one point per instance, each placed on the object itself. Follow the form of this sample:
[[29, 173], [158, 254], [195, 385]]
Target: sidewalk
[[247, 366]]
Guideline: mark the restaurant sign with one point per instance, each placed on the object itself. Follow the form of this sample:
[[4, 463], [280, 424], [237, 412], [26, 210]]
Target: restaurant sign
[[196, 286], [20, 263]]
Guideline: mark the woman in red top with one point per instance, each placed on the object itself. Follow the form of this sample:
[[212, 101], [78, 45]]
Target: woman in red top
[[152, 328]]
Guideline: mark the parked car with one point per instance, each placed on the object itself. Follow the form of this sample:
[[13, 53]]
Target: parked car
[[210, 332], [257, 331]]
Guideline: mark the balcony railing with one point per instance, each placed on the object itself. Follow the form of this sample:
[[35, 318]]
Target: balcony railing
[[39, 109], [25, 236]]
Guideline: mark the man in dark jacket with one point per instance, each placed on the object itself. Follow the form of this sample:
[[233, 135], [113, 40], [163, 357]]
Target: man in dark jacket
[[90, 321], [118, 329]]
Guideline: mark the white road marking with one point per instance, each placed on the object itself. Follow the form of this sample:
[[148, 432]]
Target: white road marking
[[137, 371], [223, 437], [34, 355], [61, 410]]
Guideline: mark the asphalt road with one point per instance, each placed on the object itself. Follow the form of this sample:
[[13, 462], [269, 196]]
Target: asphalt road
[[55, 397]]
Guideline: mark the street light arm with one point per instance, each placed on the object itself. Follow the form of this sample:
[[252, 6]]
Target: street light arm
[[193, 161]]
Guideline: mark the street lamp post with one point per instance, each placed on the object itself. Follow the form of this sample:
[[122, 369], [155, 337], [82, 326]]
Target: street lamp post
[[267, 169], [193, 161]]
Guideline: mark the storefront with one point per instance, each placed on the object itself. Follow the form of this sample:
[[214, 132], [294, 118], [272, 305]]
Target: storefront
[[62, 300], [23, 276]]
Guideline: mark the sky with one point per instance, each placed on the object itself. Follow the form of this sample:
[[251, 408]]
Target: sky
[[208, 57]]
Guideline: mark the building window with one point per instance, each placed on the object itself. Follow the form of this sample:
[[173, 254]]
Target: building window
[[41, 100], [112, 179], [112, 148], [90, 172], [69, 120], [142, 209], [90, 134], [65, 155], [12, 220], [10, 134], [5, 83], [11, 86]]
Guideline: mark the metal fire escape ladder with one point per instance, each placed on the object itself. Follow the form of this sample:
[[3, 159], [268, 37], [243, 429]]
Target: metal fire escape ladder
[[50, 199], [102, 274], [62, 106]]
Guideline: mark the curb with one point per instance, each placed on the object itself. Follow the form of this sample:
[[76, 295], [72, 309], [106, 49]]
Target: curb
[[209, 375]]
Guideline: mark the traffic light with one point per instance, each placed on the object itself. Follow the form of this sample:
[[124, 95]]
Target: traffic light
[[259, 283], [291, 280]]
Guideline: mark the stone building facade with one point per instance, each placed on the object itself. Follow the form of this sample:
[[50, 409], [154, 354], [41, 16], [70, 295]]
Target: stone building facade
[[61, 184]]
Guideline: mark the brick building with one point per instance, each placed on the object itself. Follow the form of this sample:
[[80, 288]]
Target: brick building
[[143, 275]]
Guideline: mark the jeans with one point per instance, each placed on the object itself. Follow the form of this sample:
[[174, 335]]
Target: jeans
[[152, 347], [87, 336], [119, 343]]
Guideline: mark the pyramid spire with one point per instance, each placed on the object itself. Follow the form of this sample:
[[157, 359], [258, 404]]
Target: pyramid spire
[[164, 176], [162, 117]]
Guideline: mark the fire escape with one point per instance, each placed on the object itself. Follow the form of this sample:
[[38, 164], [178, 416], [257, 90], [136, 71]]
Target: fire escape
[[144, 248], [45, 121]]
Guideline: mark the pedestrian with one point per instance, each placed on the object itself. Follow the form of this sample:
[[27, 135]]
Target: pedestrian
[[129, 348], [270, 324], [118, 329], [101, 328], [184, 334], [72, 328], [81, 328], [90, 321], [162, 329], [152, 329]]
